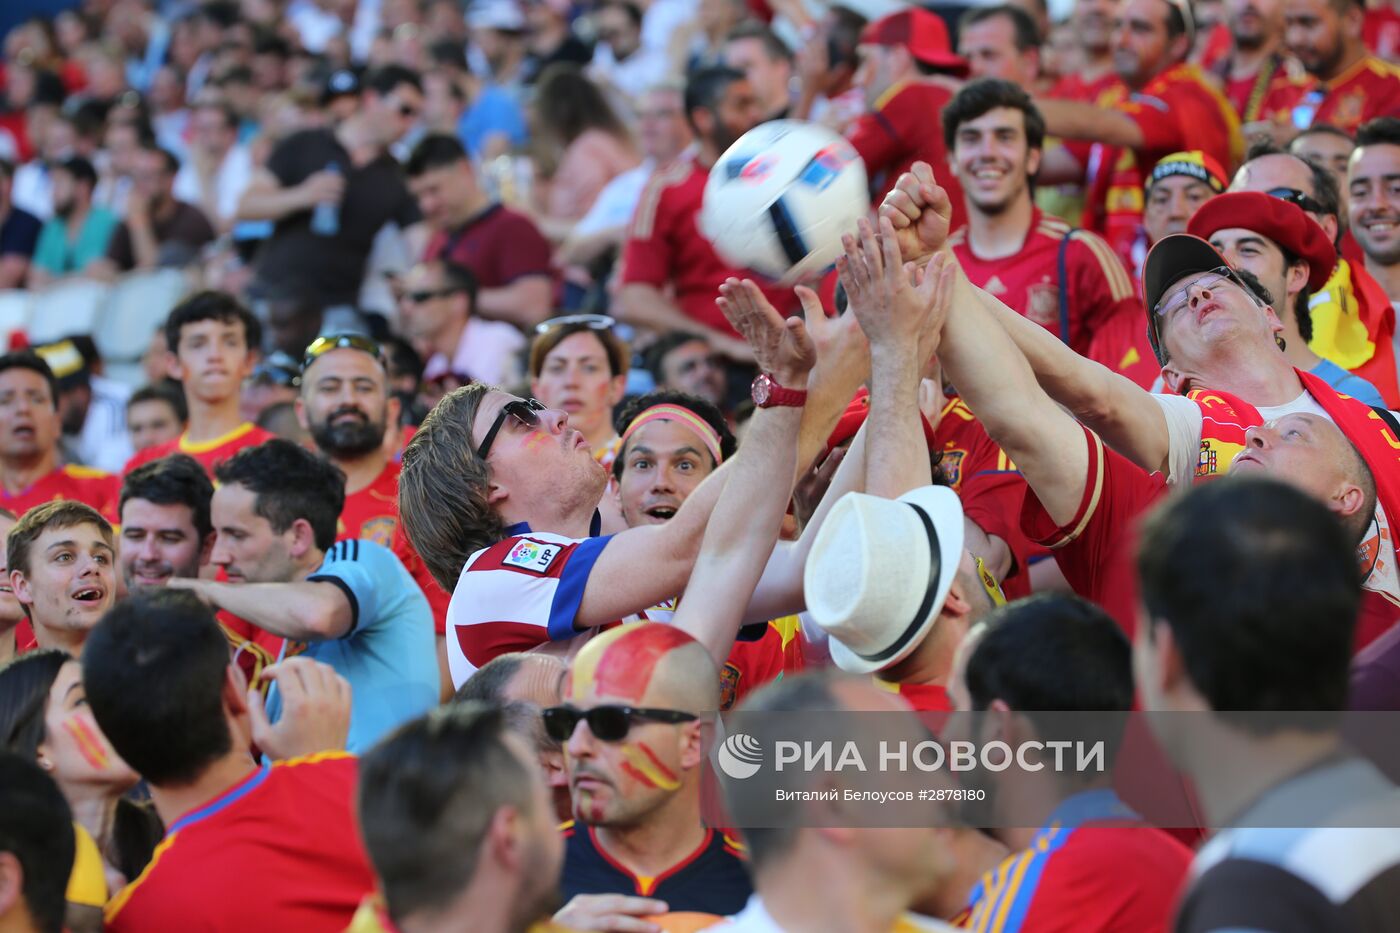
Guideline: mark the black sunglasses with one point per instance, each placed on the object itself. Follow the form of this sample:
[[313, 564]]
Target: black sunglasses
[[428, 294], [1294, 196], [607, 723], [323, 345], [526, 411]]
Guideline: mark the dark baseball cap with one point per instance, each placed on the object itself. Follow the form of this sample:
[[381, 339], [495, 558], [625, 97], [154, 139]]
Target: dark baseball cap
[[924, 34], [1172, 258], [340, 83]]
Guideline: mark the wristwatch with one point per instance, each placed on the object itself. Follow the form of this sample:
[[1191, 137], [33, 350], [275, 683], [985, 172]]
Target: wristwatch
[[768, 394]]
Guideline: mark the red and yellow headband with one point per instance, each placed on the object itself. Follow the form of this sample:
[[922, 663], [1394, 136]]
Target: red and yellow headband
[[683, 415]]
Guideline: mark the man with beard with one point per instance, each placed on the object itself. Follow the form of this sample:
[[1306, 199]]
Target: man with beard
[[159, 229], [77, 234], [1373, 179], [1259, 79], [346, 408], [1077, 849], [1069, 282], [1165, 105], [1353, 85], [166, 531], [665, 250]]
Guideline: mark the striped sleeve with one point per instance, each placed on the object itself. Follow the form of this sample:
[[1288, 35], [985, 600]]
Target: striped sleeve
[[1007, 892]]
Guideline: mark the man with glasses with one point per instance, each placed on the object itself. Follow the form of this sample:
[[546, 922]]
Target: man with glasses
[[631, 727], [437, 314], [347, 170], [1352, 323]]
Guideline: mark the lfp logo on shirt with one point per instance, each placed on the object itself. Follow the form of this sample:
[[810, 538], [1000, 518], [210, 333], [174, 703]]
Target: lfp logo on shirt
[[531, 555]]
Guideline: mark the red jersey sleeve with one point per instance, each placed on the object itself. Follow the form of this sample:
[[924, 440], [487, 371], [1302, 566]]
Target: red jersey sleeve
[[523, 250], [647, 256], [1161, 131], [875, 139], [1107, 321]]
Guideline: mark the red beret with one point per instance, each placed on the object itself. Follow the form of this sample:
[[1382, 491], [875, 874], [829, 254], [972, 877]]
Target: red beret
[[1287, 225]]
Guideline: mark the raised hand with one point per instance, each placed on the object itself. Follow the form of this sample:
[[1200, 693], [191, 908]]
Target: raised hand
[[315, 710], [898, 305], [781, 348], [920, 211]]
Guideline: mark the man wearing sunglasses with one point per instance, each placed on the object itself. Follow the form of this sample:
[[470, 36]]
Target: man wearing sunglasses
[[1235, 393], [348, 166], [499, 495], [345, 406], [437, 314], [1352, 324], [632, 730]]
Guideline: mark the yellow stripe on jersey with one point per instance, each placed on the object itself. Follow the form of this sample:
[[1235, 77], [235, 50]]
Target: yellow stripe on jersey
[[1119, 285], [117, 903], [644, 217], [188, 446], [1097, 457], [85, 472]]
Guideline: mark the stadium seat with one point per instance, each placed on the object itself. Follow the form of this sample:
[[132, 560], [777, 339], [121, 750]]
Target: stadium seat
[[67, 308], [137, 309], [14, 314]]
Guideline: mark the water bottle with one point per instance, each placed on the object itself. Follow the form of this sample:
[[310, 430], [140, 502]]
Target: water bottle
[[325, 217]]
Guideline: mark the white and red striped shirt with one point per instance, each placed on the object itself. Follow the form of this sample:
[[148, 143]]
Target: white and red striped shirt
[[519, 594]]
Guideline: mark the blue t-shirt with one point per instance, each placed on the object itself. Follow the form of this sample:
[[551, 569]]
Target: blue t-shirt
[[493, 111], [389, 654], [1348, 383], [19, 234]]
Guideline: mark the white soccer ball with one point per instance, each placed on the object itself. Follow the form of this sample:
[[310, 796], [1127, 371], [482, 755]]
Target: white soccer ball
[[779, 199]]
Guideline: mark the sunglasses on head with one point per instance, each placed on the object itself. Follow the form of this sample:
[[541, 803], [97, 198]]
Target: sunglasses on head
[[607, 723], [591, 321], [323, 345], [1294, 196], [524, 410]]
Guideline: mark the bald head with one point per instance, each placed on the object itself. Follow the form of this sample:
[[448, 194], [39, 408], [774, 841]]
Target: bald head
[[516, 677], [645, 664]]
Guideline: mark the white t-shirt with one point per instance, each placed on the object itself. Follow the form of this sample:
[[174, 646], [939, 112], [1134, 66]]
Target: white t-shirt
[[488, 351], [230, 181]]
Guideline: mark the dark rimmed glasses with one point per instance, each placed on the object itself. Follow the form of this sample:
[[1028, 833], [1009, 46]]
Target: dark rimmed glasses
[[1207, 279], [608, 723], [323, 345], [524, 410]]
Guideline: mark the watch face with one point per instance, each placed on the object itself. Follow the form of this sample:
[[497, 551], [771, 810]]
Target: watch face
[[762, 389]]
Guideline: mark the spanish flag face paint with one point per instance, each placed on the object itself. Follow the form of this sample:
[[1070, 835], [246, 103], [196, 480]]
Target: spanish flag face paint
[[88, 740], [642, 765], [620, 663]]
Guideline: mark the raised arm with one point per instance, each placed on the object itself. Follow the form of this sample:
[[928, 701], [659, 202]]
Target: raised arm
[[1121, 412], [745, 523], [304, 611], [642, 566]]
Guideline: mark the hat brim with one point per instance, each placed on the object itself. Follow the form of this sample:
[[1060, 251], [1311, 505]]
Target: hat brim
[[943, 511]]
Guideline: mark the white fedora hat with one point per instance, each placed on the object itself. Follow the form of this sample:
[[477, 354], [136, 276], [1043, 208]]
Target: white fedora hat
[[879, 572]]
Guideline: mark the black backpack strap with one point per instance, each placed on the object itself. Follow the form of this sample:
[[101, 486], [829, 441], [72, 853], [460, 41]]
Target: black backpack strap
[[1061, 264]]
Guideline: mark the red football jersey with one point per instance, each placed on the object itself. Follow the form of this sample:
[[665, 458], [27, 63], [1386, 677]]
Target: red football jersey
[[1177, 110], [1103, 313], [1381, 32], [1095, 866], [664, 247], [1366, 90], [209, 453], [922, 698], [989, 485], [372, 514], [1095, 548], [1271, 93], [79, 483], [277, 851], [903, 128]]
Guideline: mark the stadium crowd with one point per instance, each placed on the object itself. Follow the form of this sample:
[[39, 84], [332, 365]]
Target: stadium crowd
[[396, 483]]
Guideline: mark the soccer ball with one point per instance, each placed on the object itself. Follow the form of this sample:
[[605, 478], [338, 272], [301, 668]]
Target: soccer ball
[[779, 199]]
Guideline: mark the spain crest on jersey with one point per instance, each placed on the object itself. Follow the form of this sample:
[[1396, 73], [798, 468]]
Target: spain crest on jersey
[[379, 530], [951, 464]]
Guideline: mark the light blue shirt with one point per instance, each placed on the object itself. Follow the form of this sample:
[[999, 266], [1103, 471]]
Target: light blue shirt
[[389, 655], [493, 111], [1348, 383]]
